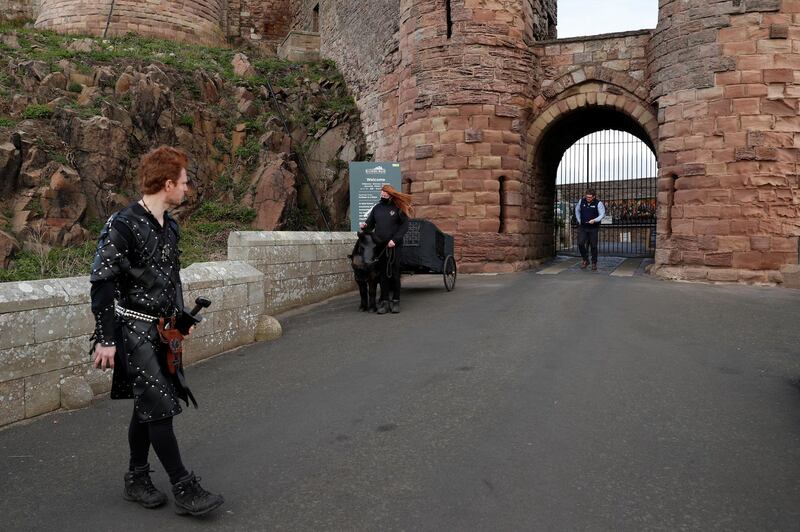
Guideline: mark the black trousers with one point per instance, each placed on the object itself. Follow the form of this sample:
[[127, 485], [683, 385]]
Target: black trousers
[[587, 239], [161, 436], [390, 274]]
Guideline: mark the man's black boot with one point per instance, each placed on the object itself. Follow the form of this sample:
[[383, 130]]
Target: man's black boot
[[394, 306], [383, 307], [191, 498], [139, 488]]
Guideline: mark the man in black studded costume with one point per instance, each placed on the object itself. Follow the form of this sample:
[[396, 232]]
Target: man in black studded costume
[[135, 281]]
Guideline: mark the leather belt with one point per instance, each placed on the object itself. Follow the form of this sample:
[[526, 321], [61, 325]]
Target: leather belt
[[127, 313]]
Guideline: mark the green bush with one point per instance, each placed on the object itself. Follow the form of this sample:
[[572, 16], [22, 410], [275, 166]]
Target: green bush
[[58, 262], [249, 150], [186, 120], [75, 87], [6, 122], [58, 157], [213, 211], [205, 233], [36, 111], [300, 219]]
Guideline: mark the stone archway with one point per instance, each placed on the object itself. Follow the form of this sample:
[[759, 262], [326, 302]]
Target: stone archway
[[578, 110]]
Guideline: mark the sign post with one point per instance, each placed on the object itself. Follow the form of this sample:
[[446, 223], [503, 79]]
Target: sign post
[[366, 180]]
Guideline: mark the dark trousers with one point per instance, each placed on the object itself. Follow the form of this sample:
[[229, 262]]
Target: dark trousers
[[390, 274], [587, 239], [161, 436]]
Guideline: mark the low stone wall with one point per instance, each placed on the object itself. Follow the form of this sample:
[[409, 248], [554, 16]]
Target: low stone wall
[[45, 325], [300, 46], [299, 267], [45, 328]]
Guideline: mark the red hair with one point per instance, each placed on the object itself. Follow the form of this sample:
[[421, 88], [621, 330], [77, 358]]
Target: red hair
[[402, 200], [159, 166]]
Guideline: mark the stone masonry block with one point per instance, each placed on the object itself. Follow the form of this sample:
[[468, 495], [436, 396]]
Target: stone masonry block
[[473, 135], [206, 325], [226, 320], [779, 31], [99, 380], [28, 295], [293, 270], [234, 296], [75, 392], [200, 276], [255, 293], [12, 401], [216, 295], [762, 5], [77, 289], [235, 272], [335, 251], [248, 321], [63, 322], [42, 393], [17, 329], [19, 362], [424, 151], [196, 349]]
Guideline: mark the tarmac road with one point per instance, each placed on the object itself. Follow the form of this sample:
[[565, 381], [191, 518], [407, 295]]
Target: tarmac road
[[576, 401]]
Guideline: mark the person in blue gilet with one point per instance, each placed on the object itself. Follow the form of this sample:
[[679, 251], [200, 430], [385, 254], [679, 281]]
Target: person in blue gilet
[[589, 212]]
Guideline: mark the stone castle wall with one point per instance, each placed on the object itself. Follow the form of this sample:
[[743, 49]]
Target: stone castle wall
[[461, 110], [725, 77], [479, 106], [45, 328], [259, 20], [588, 83], [195, 21], [362, 38], [19, 9]]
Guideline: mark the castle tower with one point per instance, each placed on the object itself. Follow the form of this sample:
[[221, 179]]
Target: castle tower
[[466, 76], [194, 21], [725, 78]]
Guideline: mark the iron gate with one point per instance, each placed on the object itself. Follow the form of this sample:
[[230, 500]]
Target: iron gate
[[623, 171]]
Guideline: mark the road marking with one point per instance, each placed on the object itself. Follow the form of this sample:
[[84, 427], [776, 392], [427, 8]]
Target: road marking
[[627, 268], [558, 268]]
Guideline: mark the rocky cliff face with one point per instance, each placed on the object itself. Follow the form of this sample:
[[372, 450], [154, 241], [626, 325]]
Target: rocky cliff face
[[77, 114]]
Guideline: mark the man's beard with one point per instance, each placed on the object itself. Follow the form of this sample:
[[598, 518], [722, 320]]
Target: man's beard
[[173, 204]]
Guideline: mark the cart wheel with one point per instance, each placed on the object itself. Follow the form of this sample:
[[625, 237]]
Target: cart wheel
[[449, 272]]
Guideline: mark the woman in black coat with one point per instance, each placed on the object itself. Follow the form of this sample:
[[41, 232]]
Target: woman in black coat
[[389, 222]]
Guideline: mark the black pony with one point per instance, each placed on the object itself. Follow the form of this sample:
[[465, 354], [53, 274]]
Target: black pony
[[364, 260]]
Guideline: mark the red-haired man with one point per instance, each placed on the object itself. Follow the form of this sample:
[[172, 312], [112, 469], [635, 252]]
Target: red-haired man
[[135, 281]]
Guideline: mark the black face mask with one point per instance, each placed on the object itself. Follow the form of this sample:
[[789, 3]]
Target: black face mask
[[384, 201]]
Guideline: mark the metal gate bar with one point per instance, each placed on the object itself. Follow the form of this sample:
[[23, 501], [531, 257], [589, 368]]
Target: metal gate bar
[[623, 170]]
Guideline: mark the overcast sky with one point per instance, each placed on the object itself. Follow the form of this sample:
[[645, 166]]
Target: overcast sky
[[592, 17]]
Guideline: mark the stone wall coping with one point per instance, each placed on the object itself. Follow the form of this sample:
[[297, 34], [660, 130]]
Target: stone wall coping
[[222, 273], [45, 293], [600, 37], [299, 32], [288, 238]]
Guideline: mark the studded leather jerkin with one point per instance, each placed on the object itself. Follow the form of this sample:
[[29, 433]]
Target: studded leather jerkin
[[142, 261]]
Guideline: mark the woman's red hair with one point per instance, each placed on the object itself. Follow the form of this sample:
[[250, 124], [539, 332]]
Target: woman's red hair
[[402, 200]]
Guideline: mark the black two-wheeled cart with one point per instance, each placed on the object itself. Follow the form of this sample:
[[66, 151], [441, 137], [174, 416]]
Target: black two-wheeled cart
[[427, 250]]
